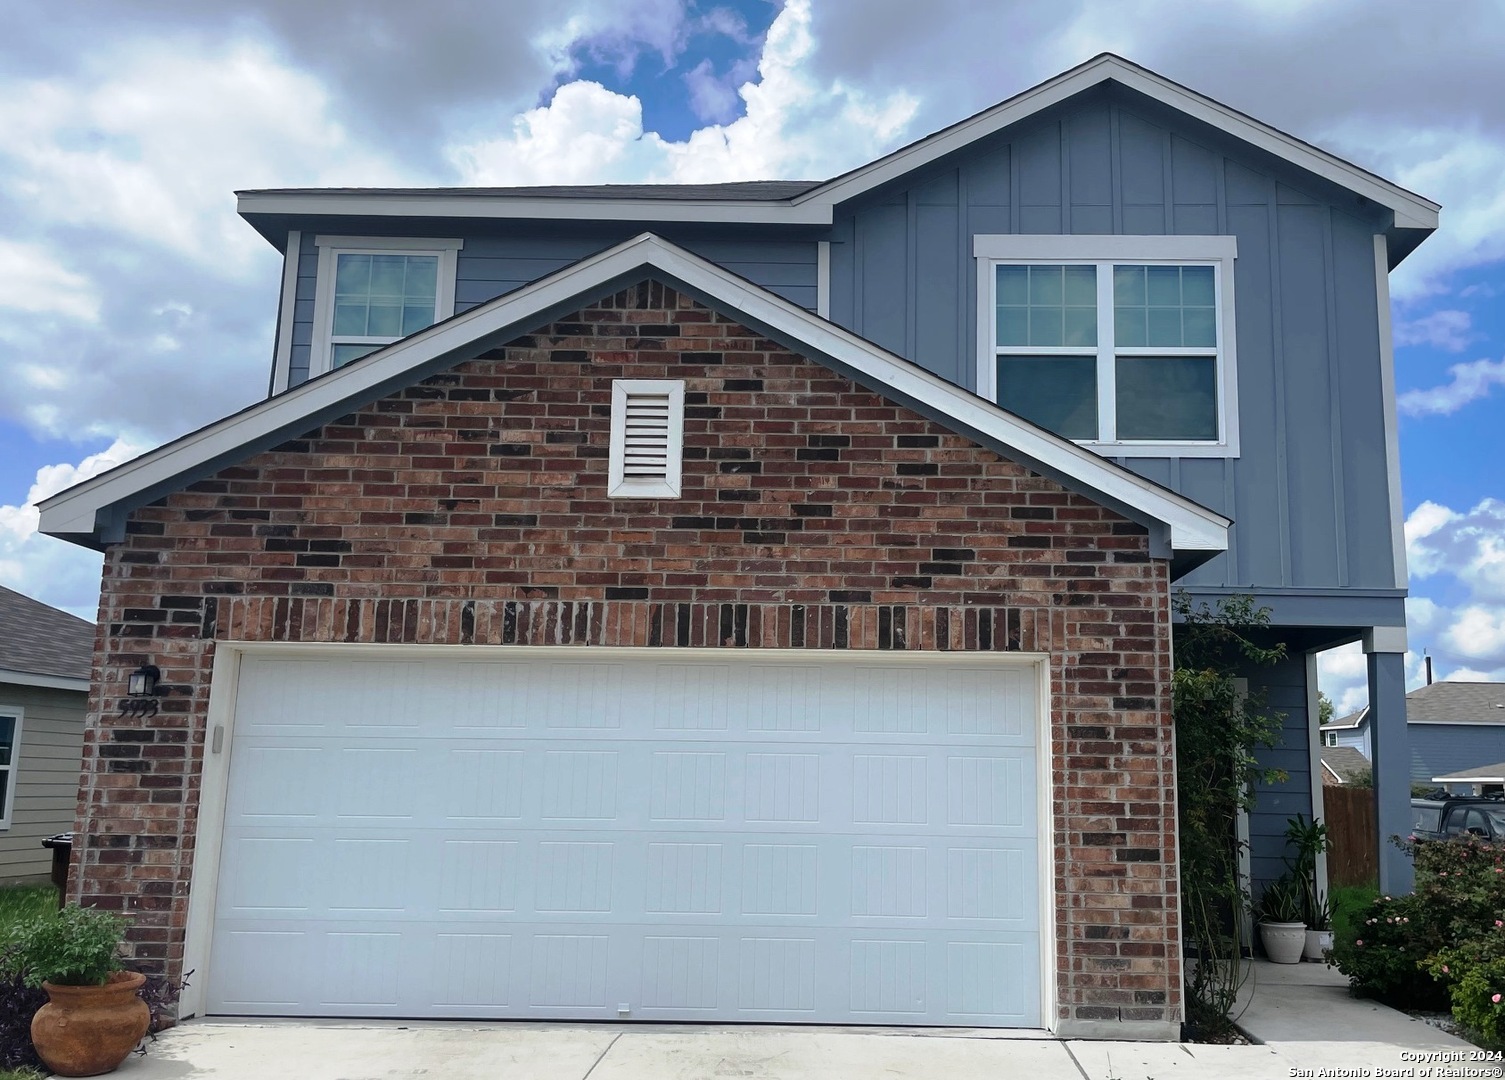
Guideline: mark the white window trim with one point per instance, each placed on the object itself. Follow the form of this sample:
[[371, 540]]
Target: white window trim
[[329, 247], [1218, 251], [619, 486], [14, 768]]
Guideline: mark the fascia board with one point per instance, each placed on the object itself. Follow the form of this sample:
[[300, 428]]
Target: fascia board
[[1411, 210], [75, 511], [513, 207], [9, 677]]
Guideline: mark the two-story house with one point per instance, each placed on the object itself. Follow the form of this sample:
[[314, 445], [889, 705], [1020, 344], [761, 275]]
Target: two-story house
[[1455, 732], [752, 602]]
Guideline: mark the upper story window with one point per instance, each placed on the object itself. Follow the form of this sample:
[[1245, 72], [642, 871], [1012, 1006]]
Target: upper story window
[[372, 291], [10, 752], [1122, 343]]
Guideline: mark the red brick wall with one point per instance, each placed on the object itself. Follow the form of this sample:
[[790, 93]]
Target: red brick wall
[[472, 508]]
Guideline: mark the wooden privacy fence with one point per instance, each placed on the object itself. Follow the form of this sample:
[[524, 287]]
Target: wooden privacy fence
[[1352, 834]]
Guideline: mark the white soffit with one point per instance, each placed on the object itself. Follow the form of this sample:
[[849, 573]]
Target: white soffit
[[76, 512]]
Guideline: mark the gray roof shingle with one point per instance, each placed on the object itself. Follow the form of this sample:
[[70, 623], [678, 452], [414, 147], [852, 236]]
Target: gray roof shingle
[[1456, 702], [1346, 761], [1443, 703], [42, 640]]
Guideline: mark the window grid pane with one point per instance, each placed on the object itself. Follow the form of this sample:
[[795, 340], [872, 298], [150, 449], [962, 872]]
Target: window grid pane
[[383, 296], [1167, 397], [7, 746], [1057, 392], [1046, 306], [1164, 307]]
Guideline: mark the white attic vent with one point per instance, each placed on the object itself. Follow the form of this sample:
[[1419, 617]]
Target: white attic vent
[[647, 437]]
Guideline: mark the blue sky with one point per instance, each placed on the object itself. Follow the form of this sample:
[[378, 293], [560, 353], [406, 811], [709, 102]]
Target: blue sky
[[135, 305]]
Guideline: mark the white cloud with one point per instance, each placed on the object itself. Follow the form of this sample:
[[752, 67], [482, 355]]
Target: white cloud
[[1459, 169], [793, 126], [154, 136], [1343, 673], [1449, 329], [32, 281], [1477, 633], [1461, 555], [1469, 546], [50, 570], [1470, 382], [711, 97]]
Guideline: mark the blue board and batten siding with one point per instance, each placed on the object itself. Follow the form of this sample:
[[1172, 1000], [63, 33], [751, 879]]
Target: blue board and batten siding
[[489, 266], [1283, 689], [1309, 492]]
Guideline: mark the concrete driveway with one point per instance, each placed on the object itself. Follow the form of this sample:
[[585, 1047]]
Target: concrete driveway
[[327, 1050]]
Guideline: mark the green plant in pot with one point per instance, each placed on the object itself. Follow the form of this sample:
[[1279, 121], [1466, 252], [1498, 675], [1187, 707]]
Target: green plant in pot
[[94, 1014], [1310, 840], [1279, 914], [1319, 928]]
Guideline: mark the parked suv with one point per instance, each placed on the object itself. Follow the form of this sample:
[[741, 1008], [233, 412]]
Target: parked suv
[[1440, 818]]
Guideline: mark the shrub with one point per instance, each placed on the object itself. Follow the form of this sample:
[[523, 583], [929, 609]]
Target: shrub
[[1474, 974], [19, 1002], [1382, 953], [1396, 949], [1462, 881], [74, 947]]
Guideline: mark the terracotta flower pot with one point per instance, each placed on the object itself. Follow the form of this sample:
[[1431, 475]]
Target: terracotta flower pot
[[88, 1030]]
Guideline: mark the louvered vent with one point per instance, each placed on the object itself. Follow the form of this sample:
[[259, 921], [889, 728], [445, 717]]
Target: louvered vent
[[647, 426], [645, 449]]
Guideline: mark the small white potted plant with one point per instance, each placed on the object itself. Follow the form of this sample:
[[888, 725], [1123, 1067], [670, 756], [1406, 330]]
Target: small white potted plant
[[1319, 934], [1278, 912]]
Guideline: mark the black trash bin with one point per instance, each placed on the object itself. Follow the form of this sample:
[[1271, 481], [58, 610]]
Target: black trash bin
[[62, 851]]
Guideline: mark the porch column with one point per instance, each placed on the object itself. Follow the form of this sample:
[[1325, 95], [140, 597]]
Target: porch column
[[1390, 751]]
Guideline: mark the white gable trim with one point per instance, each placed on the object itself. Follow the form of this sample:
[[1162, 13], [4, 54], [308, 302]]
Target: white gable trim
[[1411, 210], [815, 207], [44, 682], [77, 511]]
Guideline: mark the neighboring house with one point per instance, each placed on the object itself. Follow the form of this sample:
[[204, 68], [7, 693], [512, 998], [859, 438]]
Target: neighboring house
[[1345, 765], [1479, 780], [752, 602], [1452, 727], [45, 657]]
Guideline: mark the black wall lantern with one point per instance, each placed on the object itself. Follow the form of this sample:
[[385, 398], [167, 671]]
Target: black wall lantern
[[143, 681], [141, 688]]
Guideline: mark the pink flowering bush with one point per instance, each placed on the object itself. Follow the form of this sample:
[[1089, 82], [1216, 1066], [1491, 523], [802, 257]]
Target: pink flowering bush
[[1417, 951], [1474, 974], [1383, 948]]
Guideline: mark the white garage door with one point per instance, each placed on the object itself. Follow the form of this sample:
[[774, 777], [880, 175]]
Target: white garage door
[[623, 834]]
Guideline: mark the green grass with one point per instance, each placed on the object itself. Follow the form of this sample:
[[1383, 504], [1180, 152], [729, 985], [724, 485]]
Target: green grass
[[1348, 901], [22, 1073], [19, 905]]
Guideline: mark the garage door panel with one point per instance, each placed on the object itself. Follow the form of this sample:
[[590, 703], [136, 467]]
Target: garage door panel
[[790, 841], [473, 971], [480, 786], [480, 876]]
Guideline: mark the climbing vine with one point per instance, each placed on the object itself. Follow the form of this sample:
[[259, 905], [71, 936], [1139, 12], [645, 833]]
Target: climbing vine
[[1218, 729]]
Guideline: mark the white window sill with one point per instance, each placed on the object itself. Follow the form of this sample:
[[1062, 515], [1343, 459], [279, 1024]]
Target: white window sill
[[1161, 450]]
